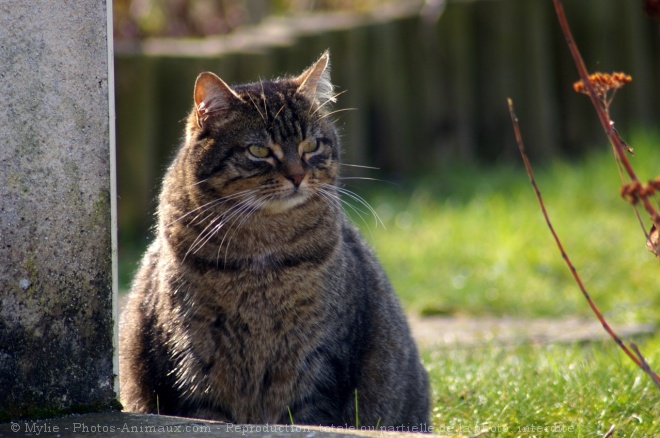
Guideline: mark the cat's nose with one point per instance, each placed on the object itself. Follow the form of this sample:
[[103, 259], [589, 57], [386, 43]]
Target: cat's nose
[[296, 179], [294, 172]]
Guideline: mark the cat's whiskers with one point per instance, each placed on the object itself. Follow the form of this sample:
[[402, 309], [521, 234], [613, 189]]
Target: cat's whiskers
[[198, 182], [217, 223], [362, 178], [224, 219], [329, 195], [204, 236], [257, 108], [224, 200], [263, 96], [360, 166], [335, 112], [362, 201], [337, 200], [208, 206], [233, 218], [279, 111], [246, 212], [203, 208], [331, 100]]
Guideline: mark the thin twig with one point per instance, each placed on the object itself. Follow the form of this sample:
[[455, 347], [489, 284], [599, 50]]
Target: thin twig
[[635, 190], [610, 433], [644, 364], [608, 126], [639, 362]]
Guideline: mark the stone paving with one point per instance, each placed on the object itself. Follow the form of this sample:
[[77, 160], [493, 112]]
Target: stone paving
[[450, 331]]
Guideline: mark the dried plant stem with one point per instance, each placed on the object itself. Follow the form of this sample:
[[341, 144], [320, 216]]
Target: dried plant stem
[[639, 192], [637, 358], [633, 192], [610, 433]]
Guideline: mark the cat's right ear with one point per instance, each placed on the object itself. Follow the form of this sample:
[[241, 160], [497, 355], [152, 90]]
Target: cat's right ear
[[212, 94]]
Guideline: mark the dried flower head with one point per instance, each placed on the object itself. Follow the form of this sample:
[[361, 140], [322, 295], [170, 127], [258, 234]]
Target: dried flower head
[[604, 84]]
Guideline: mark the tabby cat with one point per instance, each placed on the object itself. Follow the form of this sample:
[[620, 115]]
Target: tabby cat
[[258, 301]]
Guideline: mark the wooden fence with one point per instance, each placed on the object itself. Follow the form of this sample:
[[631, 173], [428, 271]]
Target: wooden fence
[[430, 87]]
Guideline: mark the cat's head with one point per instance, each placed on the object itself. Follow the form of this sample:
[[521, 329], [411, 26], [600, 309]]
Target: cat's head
[[270, 144]]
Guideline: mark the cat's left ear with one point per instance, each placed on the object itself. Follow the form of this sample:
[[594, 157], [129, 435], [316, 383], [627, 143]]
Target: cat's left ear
[[315, 81], [212, 94]]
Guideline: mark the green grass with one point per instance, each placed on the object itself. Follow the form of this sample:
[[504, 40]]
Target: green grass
[[473, 241], [582, 390]]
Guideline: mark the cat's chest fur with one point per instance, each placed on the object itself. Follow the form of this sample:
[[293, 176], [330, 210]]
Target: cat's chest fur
[[248, 336]]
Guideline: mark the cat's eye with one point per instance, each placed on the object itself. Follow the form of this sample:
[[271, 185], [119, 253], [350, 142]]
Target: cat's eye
[[310, 146], [259, 151]]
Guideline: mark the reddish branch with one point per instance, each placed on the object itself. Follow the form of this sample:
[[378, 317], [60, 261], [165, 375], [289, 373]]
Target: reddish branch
[[635, 356], [635, 191], [632, 192]]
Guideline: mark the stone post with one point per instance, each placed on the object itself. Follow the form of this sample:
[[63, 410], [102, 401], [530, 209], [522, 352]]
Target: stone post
[[57, 258]]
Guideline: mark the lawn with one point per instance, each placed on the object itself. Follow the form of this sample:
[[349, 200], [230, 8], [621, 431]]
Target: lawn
[[553, 390], [472, 241]]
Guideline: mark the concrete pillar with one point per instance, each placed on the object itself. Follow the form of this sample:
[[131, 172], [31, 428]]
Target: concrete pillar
[[56, 208]]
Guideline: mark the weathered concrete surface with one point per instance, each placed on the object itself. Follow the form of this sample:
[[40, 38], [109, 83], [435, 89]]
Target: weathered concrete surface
[[56, 351], [136, 425]]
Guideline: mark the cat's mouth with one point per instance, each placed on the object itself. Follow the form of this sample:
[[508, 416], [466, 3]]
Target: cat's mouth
[[286, 199]]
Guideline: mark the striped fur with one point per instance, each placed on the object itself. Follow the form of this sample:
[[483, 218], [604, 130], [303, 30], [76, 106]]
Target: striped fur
[[258, 297]]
